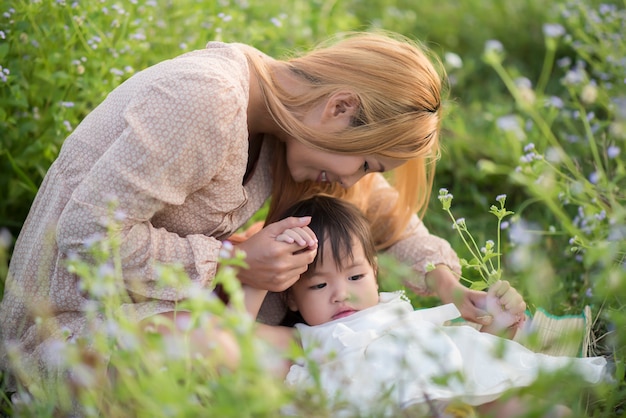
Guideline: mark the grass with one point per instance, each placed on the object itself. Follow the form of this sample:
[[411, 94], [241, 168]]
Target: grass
[[537, 111]]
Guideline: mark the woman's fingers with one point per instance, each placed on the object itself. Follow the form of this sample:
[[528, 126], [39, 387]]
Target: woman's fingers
[[278, 254]]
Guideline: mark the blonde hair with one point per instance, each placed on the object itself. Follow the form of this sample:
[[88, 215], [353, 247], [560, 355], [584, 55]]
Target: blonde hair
[[399, 93]]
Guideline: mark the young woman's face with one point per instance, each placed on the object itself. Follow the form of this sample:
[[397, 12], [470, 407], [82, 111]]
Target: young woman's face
[[331, 293], [306, 163]]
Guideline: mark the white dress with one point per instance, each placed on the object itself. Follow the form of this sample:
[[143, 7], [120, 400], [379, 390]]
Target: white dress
[[393, 355]]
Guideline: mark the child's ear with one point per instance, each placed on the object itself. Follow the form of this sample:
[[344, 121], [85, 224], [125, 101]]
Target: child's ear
[[290, 301]]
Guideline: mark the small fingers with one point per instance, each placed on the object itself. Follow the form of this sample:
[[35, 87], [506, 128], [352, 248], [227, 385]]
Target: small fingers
[[303, 236], [500, 287], [509, 298], [290, 236]]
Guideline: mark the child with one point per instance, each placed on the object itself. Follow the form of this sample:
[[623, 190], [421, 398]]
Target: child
[[374, 353]]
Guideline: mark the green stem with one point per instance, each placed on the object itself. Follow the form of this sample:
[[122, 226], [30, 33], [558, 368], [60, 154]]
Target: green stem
[[469, 247], [498, 238], [548, 62], [539, 121], [590, 137]]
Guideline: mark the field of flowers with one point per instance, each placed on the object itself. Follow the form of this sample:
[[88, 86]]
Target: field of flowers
[[536, 117]]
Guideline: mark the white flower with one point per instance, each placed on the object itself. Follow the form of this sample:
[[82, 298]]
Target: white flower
[[553, 155], [494, 45], [575, 76], [520, 233], [554, 101], [453, 60], [5, 238], [553, 30], [511, 123], [589, 94]]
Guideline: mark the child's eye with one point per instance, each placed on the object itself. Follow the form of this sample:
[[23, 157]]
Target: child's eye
[[318, 286], [356, 277], [366, 167]]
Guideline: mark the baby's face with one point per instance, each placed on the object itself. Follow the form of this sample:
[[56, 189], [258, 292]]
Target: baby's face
[[330, 293]]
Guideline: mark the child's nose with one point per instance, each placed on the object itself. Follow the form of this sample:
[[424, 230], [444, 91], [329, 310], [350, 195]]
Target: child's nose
[[341, 293]]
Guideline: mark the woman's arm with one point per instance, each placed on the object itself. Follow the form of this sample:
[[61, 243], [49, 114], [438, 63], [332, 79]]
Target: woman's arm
[[163, 155], [419, 248], [471, 303]]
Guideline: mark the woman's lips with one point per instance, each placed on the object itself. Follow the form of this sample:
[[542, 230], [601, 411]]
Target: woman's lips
[[322, 178]]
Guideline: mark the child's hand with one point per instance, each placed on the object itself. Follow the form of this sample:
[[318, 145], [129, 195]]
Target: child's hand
[[507, 307], [509, 298], [299, 235]]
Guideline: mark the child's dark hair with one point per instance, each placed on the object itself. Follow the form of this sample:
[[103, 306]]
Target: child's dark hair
[[338, 225], [339, 222]]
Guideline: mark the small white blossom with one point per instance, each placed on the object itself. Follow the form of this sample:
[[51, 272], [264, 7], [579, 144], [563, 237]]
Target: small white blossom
[[227, 250], [453, 60], [459, 223], [553, 30], [5, 238], [554, 101], [520, 233], [511, 123], [574, 77], [612, 151], [589, 94], [494, 45]]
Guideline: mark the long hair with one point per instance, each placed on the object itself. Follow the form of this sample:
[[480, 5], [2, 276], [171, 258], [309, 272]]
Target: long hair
[[399, 93]]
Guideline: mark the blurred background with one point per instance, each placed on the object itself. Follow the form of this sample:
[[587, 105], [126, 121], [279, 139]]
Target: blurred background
[[536, 111]]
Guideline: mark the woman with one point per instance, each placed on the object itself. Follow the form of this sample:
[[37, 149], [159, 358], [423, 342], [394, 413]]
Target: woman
[[189, 149]]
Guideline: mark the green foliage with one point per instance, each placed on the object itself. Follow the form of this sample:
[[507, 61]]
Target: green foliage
[[61, 58], [122, 367], [536, 112], [482, 261]]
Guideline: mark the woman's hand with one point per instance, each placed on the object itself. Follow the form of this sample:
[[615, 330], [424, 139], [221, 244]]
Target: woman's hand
[[471, 303], [275, 264]]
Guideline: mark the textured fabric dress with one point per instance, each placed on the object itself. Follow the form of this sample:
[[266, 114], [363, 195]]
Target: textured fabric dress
[[170, 145], [391, 356]]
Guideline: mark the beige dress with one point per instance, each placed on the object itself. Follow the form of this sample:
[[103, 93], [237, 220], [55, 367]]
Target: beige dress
[[170, 145]]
